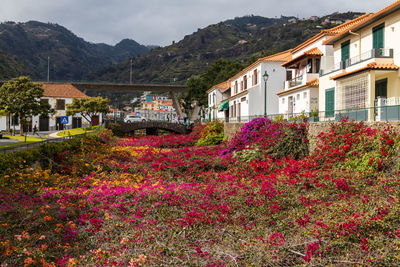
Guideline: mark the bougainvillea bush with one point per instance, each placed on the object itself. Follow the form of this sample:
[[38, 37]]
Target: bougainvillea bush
[[275, 139], [131, 203]]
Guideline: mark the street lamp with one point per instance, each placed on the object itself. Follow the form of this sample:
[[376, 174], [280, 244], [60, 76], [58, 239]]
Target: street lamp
[[265, 77]]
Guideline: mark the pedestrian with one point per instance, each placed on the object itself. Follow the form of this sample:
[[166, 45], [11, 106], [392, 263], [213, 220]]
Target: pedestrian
[[35, 129], [168, 117], [184, 118]]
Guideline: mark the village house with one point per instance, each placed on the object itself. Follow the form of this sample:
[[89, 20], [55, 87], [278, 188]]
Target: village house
[[58, 96], [253, 90], [362, 80], [218, 106], [301, 88]]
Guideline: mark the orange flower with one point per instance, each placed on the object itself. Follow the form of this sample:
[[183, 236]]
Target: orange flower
[[47, 218]]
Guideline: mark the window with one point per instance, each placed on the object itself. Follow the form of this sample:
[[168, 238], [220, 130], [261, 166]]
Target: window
[[283, 100], [298, 97], [289, 75], [317, 65], [309, 67], [378, 36], [241, 86], [305, 95], [381, 88], [245, 82], [236, 87], [60, 104], [255, 78], [345, 50]]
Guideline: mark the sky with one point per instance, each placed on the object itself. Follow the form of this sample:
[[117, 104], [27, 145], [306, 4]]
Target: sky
[[159, 22]]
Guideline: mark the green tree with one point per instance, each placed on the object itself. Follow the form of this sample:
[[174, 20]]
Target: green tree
[[21, 97], [88, 107], [218, 72]]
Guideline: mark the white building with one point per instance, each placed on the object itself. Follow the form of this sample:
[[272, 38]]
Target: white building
[[58, 96], [248, 89], [363, 80], [301, 89], [218, 105]]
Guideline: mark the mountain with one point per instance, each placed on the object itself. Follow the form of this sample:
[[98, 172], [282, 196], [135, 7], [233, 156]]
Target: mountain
[[10, 67], [71, 57], [243, 39]]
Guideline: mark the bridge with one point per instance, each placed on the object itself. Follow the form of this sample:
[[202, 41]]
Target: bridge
[[152, 127], [85, 87]]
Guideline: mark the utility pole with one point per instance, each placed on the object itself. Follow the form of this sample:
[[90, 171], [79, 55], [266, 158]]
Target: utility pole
[[48, 69], [130, 74]]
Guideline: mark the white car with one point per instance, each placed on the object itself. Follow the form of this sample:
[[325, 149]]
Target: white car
[[134, 118]]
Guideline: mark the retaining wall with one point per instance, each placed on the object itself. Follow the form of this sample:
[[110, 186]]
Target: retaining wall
[[314, 129]]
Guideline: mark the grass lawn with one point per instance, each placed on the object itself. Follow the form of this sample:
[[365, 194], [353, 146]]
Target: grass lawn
[[77, 131], [22, 138]]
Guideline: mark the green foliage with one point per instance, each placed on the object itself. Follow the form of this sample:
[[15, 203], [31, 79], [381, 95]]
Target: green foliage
[[216, 73], [17, 160], [212, 134], [116, 129], [21, 97], [88, 107]]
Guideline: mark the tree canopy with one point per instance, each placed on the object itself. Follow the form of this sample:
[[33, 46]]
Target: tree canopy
[[21, 97], [88, 107], [218, 72]]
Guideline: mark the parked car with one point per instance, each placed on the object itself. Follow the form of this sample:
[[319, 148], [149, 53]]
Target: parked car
[[133, 118]]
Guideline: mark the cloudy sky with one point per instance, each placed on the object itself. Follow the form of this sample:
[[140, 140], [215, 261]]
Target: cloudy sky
[[159, 22]]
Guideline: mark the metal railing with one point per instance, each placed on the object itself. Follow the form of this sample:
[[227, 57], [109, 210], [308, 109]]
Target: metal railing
[[26, 146], [381, 113], [373, 53]]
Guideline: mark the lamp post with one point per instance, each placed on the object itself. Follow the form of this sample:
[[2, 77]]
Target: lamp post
[[265, 77]]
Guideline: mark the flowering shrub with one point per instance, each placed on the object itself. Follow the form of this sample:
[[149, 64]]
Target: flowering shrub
[[275, 139], [211, 134], [135, 204]]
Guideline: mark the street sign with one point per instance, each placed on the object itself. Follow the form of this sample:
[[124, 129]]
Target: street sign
[[64, 119]]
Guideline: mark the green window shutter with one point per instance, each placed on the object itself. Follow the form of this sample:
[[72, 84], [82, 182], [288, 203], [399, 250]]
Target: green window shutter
[[378, 36], [345, 51], [330, 102]]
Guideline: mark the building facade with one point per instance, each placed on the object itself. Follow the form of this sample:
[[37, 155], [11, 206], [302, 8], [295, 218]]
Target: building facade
[[363, 82]]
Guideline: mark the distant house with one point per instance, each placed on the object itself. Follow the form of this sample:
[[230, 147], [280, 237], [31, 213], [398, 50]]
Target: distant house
[[218, 105], [58, 95], [314, 18]]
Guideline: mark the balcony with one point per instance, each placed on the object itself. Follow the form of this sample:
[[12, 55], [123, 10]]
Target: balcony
[[376, 53], [300, 80]]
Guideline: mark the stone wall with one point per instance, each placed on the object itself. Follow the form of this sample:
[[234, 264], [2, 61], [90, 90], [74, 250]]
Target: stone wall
[[231, 128]]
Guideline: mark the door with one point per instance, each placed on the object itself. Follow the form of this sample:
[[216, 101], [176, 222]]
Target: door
[[76, 122], [290, 105], [44, 124], [95, 120], [345, 51], [330, 102], [381, 88]]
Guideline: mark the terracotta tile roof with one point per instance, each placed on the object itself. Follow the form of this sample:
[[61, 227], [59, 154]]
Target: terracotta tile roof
[[311, 83], [370, 66], [368, 20], [64, 90], [333, 31], [222, 87], [312, 52], [346, 26], [279, 57]]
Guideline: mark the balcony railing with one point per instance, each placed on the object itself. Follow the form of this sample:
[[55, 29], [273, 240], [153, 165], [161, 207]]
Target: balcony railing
[[374, 53], [296, 81]]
